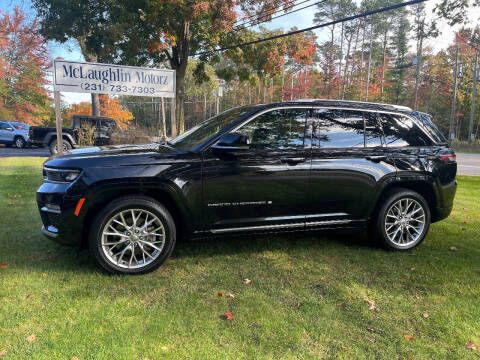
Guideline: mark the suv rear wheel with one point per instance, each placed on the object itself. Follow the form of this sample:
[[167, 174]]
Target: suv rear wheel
[[132, 235], [54, 146], [402, 220]]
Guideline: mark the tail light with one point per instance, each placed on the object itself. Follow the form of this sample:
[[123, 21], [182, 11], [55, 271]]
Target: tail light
[[30, 132], [449, 158]]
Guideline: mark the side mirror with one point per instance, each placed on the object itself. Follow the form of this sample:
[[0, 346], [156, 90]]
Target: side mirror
[[232, 141]]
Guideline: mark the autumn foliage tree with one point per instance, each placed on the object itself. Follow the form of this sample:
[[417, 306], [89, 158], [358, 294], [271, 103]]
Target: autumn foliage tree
[[109, 107], [176, 30], [23, 61]]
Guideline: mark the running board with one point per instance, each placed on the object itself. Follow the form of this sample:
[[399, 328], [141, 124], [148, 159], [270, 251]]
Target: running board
[[280, 226]]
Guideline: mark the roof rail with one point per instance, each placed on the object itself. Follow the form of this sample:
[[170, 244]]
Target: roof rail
[[397, 107]]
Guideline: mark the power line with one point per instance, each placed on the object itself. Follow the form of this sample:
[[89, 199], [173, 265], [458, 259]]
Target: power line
[[349, 18], [255, 22], [279, 16], [263, 14]]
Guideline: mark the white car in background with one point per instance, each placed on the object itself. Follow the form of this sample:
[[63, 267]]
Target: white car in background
[[14, 133]]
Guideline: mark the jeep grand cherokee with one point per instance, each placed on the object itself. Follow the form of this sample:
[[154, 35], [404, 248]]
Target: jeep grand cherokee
[[258, 168]]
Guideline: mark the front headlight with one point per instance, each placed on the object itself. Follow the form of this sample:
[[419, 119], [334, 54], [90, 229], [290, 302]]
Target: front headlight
[[60, 175]]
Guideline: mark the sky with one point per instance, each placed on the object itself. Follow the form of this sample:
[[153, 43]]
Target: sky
[[300, 19]]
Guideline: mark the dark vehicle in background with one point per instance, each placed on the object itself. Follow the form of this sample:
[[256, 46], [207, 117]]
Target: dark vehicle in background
[[299, 165], [104, 128]]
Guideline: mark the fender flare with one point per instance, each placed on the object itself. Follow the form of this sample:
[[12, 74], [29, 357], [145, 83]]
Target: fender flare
[[53, 135]]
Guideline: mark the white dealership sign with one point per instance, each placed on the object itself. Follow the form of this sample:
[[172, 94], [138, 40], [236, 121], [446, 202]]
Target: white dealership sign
[[84, 77]]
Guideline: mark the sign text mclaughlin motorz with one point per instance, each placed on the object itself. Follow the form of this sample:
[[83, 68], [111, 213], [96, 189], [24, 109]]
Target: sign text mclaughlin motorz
[[85, 77]]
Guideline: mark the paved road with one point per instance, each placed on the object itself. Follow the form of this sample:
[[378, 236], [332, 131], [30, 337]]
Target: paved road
[[29, 151], [468, 164]]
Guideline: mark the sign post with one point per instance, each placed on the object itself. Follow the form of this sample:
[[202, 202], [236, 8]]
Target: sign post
[[85, 77], [58, 122]]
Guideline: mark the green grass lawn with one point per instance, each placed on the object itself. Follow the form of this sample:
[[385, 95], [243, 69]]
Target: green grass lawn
[[308, 297]]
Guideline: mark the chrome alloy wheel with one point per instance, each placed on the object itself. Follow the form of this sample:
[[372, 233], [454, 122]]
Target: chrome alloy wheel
[[65, 147], [19, 142], [133, 238], [405, 222]]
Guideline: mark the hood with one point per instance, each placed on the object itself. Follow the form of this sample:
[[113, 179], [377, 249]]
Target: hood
[[114, 155]]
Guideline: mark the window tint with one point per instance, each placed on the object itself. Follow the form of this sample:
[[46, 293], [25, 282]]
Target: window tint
[[339, 128], [373, 131], [278, 129], [401, 131], [4, 125], [429, 126]]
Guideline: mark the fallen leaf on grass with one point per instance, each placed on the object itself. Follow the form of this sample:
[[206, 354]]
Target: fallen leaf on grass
[[454, 249], [44, 275], [344, 347], [30, 339], [220, 294], [409, 337], [246, 281], [372, 305], [3, 265], [230, 295], [75, 358], [425, 315], [371, 339], [470, 345], [3, 352], [228, 316]]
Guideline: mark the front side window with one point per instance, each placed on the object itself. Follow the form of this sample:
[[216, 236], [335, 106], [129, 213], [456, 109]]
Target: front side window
[[339, 128], [401, 131], [278, 129]]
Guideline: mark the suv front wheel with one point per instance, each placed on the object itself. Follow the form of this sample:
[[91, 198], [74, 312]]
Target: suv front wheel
[[402, 220], [132, 235]]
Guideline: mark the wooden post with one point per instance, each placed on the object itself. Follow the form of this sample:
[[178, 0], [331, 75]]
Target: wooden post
[[164, 123], [58, 121], [172, 118]]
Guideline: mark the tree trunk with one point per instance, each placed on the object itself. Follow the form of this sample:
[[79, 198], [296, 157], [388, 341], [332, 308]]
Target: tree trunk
[[369, 63], [419, 64], [385, 37], [89, 57]]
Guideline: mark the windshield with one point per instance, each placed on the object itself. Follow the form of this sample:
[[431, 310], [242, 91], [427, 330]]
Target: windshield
[[209, 128]]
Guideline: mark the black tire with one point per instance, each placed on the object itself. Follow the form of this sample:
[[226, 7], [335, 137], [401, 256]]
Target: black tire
[[378, 222], [131, 202], [20, 142], [53, 146]]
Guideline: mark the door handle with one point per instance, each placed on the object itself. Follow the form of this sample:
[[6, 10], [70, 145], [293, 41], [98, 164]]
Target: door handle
[[377, 158], [292, 161]]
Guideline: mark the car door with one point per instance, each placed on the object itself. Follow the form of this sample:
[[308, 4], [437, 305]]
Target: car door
[[264, 186], [349, 159]]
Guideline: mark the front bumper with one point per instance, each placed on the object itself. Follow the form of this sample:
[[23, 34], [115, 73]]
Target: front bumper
[[57, 210]]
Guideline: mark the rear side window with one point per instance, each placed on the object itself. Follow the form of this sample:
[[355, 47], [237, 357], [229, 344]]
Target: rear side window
[[401, 131], [429, 127], [373, 131], [338, 128]]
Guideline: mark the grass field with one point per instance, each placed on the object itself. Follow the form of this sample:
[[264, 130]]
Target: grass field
[[308, 298]]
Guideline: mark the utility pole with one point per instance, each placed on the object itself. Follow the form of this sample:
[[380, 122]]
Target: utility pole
[[454, 98], [474, 95]]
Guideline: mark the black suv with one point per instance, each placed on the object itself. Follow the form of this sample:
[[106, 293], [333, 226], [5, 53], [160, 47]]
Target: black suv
[[258, 168]]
